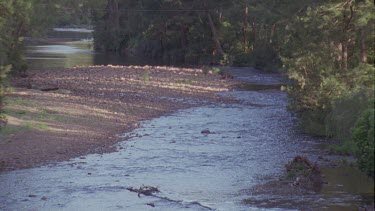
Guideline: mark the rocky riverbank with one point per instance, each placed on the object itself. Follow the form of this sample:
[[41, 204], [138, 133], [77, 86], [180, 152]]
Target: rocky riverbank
[[60, 114]]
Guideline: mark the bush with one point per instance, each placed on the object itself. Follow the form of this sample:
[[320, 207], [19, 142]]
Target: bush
[[348, 147], [3, 74], [312, 122], [243, 60], [345, 112], [363, 135]]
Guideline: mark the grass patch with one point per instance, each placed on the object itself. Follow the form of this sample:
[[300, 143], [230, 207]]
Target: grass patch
[[10, 90], [215, 70], [26, 118], [18, 101], [41, 126], [10, 130], [15, 112], [27, 115], [46, 115], [146, 76], [15, 101], [26, 126], [30, 125], [348, 147]]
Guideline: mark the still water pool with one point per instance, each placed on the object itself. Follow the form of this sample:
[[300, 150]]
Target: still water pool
[[66, 48]]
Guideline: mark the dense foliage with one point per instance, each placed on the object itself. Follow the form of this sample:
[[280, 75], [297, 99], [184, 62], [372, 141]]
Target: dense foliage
[[363, 135], [240, 32], [329, 56]]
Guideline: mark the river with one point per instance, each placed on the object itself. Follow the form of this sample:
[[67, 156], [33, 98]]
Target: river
[[66, 48], [249, 142]]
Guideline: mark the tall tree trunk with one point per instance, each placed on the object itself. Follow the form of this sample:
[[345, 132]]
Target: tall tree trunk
[[273, 29], [344, 42], [113, 15], [363, 56], [344, 56], [215, 37], [338, 53], [254, 28], [184, 30], [113, 23], [245, 28], [221, 15]]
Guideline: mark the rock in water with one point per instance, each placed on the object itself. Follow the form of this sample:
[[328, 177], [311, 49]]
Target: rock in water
[[206, 131]]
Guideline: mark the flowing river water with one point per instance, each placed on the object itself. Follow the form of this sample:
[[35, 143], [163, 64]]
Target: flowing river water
[[249, 142]]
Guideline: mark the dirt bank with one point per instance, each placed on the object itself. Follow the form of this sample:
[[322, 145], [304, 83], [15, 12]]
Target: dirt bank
[[87, 107]]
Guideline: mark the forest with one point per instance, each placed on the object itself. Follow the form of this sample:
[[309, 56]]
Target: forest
[[324, 48]]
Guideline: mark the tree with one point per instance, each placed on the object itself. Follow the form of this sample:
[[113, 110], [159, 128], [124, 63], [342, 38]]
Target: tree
[[13, 25]]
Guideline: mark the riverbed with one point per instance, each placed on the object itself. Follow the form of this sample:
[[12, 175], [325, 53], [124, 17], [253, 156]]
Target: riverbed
[[248, 142]]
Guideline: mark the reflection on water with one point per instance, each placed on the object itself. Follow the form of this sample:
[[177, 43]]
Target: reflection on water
[[72, 33], [349, 186], [61, 49], [77, 51], [79, 30], [64, 55]]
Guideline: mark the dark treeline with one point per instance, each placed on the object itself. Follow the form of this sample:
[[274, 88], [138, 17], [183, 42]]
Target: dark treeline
[[194, 32], [324, 47]]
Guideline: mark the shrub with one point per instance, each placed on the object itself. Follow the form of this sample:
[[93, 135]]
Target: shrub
[[3, 74], [345, 112], [312, 122], [347, 147], [363, 135], [243, 60]]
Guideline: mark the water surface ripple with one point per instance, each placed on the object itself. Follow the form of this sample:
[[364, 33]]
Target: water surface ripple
[[193, 171]]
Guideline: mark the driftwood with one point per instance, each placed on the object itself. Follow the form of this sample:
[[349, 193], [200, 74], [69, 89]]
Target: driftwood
[[305, 174], [145, 190], [43, 88], [149, 191], [48, 89]]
